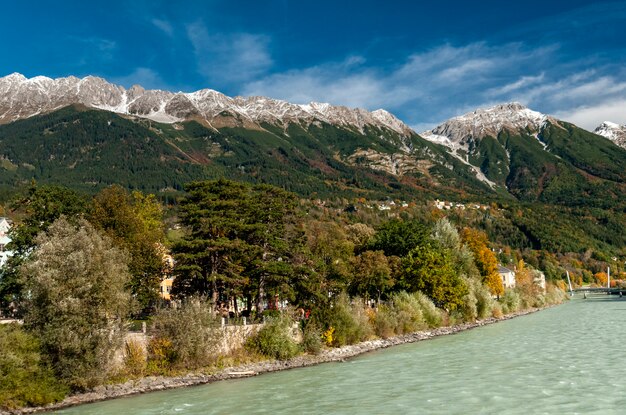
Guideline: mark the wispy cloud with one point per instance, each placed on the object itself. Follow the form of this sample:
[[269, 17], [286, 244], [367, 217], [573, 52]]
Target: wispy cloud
[[224, 59], [590, 116], [434, 85], [426, 88], [146, 77], [163, 25]]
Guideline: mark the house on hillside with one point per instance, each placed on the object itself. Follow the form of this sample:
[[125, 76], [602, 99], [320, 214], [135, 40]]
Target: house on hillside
[[508, 276]]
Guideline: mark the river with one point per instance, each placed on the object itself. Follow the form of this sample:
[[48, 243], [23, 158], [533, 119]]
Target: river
[[563, 360]]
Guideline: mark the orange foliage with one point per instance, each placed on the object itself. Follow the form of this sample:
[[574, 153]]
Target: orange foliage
[[485, 259], [601, 278]]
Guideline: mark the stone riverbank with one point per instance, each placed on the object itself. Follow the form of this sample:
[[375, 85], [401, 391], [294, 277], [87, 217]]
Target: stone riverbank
[[156, 383]]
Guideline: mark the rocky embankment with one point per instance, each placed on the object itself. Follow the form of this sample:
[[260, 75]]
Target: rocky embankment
[[156, 383]]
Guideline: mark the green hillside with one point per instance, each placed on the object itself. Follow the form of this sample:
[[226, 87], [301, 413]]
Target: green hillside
[[562, 165], [89, 149]]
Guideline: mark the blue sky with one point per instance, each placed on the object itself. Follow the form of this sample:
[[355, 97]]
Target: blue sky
[[423, 61]]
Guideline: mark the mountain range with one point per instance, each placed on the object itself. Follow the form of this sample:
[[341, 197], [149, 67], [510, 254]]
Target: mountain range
[[89, 133]]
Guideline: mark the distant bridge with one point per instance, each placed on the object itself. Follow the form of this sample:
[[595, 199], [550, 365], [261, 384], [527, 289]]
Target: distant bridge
[[599, 290]]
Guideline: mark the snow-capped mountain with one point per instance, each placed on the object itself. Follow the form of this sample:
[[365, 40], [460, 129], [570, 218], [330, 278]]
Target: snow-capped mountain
[[21, 98], [513, 147], [461, 131], [462, 134], [613, 131]]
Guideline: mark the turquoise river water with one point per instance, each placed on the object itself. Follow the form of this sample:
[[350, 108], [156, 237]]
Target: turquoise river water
[[563, 360]]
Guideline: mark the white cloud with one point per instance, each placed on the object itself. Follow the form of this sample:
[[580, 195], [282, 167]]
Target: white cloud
[[145, 77], [229, 58], [163, 25], [589, 117], [428, 87]]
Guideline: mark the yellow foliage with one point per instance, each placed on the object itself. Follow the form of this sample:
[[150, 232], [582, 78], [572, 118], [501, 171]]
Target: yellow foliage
[[327, 336]]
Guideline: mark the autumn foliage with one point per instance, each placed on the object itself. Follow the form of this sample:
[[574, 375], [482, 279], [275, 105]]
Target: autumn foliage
[[485, 259]]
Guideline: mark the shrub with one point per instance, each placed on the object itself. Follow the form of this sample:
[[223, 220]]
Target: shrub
[[409, 313], [312, 339], [555, 294], [161, 355], [185, 337], [468, 310], [274, 339], [511, 301], [134, 358], [350, 322], [484, 302], [496, 310], [385, 322], [24, 378], [432, 315]]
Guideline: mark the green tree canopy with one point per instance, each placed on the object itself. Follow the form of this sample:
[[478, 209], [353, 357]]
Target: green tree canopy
[[398, 237], [134, 222], [429, 268]]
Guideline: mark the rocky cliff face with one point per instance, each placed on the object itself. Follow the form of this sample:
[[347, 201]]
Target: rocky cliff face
[[21, 98]]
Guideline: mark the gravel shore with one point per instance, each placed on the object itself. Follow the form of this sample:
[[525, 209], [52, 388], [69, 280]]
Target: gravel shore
[[156, 383]]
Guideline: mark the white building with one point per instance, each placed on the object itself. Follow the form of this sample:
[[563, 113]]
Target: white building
[[508, 276]]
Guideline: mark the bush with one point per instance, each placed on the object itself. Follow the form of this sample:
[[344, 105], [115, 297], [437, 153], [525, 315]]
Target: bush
[[555, 295], [497, 311], [409, 313], [468, 310], [161, 355], [385, 322], [274, 339], [24, 378], [134, 358], [432, 315], [511, 301], [312, 339], [351, 323], [185, 337], [484, 302]]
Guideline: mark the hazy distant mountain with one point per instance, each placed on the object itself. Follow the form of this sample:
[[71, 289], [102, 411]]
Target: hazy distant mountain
[[613, 131]]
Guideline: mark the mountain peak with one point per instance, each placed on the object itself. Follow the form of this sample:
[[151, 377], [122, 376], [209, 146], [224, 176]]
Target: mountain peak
[[22, 98], [486, 122], [613, 131], [15, 76]]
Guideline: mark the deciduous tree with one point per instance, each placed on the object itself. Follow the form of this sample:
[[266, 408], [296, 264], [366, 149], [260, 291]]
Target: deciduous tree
[[485, 259], [77, 301]]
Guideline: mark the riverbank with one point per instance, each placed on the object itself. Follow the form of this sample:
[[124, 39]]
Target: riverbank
[[156, 383]]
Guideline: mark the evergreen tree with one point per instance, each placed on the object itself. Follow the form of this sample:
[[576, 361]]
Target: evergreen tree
[[208, 258]]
